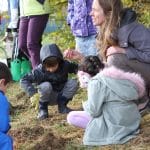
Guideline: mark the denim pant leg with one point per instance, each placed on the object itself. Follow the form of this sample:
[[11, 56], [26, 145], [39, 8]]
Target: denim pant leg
[[70, 88], [45, 90], [47, 94], [86, 45]]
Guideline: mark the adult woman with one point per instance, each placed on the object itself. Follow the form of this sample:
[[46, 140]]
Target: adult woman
[[123, 42], [34, 16]]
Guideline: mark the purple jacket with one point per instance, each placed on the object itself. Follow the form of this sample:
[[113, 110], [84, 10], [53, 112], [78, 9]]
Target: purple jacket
[[79, 18]]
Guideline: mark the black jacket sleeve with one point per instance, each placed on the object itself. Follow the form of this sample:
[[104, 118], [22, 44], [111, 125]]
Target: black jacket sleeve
[[27, 82], [73, 67]]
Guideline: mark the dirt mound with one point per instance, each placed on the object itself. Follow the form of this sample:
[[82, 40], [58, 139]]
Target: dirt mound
[[43, 140], [50, 142], [22, 135]]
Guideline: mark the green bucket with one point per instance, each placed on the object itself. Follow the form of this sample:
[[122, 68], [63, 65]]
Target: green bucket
[[15, 67], [25, 66]]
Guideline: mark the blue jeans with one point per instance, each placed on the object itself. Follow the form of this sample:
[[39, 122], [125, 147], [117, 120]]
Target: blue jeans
[[47, 94], [86, 45]]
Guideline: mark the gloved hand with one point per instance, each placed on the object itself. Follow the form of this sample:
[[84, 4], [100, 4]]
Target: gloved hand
[[35, 101]]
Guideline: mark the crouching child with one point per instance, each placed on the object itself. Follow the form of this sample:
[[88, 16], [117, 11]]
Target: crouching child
[[51, 76]]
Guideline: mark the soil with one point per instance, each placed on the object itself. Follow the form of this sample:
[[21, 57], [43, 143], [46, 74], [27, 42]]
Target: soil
[[54, 133]]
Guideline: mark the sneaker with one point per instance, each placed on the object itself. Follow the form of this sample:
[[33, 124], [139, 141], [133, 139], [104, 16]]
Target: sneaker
[[65, 110]]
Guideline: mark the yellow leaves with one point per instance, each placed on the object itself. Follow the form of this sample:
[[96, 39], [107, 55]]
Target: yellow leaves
[[35, 101], [145, 119], [142, 9]]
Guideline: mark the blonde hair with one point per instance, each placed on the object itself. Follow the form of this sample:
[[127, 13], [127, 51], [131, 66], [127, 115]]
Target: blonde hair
[[106, 37]]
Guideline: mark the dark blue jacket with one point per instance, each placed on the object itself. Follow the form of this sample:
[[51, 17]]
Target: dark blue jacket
[[39, 75]]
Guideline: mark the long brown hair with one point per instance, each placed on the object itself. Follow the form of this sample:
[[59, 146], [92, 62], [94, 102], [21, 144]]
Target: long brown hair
[[106, 38]]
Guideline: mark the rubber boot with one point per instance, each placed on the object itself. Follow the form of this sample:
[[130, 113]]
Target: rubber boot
[[43, 110], [62, 105]]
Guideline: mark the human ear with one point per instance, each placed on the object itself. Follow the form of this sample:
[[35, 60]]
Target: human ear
[[2, 81]]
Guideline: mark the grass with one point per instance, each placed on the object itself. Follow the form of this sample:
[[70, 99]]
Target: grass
[[54, 133]]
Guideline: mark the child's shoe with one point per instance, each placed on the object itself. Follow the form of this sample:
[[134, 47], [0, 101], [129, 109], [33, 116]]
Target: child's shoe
[[64, 109], [62, 105], [43, 110]]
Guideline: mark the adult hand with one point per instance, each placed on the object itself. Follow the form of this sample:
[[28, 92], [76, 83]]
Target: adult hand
[[114, 50], [72, 54]]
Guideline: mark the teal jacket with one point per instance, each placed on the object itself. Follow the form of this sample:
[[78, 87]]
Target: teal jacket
[[33, 7], [115, 116]]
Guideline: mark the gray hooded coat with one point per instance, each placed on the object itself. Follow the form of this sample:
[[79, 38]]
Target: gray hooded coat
[[115, 116]]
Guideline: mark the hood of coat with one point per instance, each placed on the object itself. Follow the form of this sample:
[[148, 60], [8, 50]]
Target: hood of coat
[[50, 50], [127, 25], [128, 16], [123, 83]]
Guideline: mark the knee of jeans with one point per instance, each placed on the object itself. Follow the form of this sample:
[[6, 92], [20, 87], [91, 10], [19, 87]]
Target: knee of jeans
[[70, 89], [45, 88], [73, 84]]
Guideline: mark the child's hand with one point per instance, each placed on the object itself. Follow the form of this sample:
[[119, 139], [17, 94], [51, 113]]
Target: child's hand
[[72, 54], [35, 100]]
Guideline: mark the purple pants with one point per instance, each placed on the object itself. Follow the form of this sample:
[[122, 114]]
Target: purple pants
[[78, 118], [31, 29]]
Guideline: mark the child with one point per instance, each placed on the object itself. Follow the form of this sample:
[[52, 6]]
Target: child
[[6, 142], [52, 79], [82, 26], [110, 114]]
